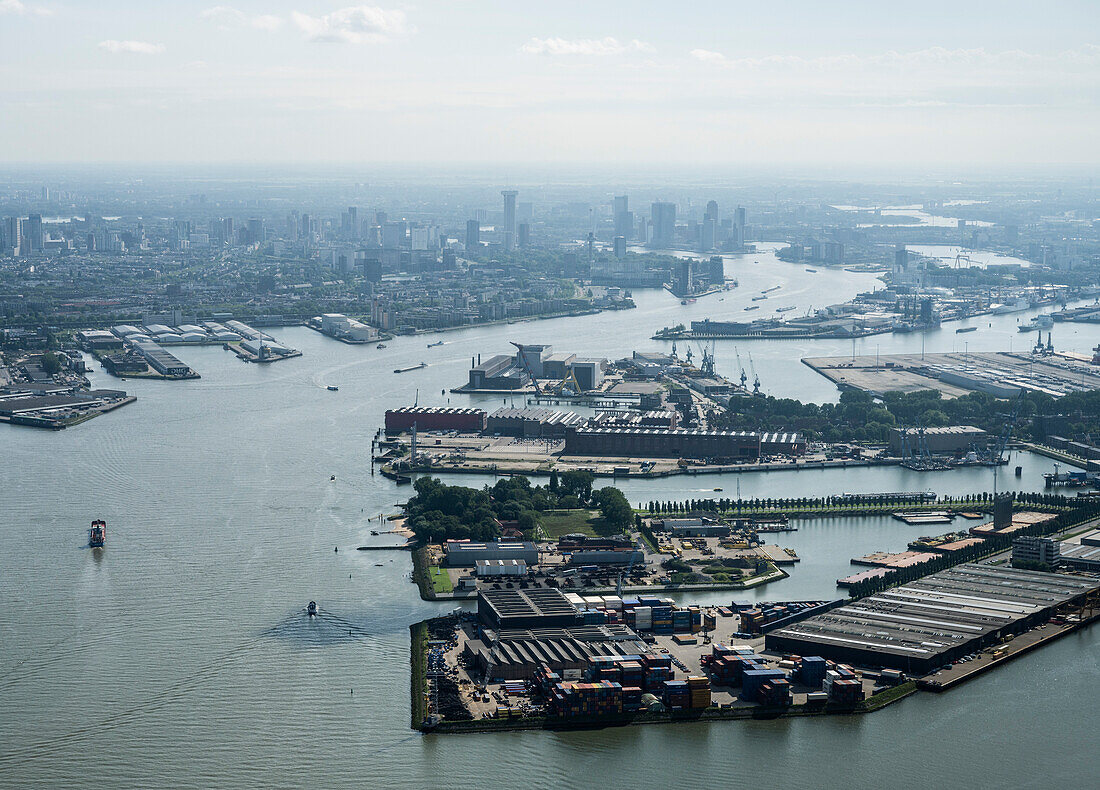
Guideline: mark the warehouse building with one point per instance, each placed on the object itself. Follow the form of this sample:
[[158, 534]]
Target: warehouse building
[[465, 554], [500, 372], [935, 620], [663, 443], [535, 608], [1078, 557], [532, 423], [515, 654], [500, 568], [159, 359], [948, 440], [694, 528], [434, 418]]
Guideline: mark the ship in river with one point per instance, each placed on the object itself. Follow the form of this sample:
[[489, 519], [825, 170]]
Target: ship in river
[[97, 535], [411, 367], [1039, 322]]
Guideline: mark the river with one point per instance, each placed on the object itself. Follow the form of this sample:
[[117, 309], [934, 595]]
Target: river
[[180, 655]]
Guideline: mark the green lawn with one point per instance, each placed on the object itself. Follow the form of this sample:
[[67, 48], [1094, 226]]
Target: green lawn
[[556, 523], [441, 580]]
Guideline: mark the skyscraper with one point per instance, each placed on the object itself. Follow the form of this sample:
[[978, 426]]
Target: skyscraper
[[712, 211], [33, 233], [473, 234], [509, 196], [524, 234], [739, 220], [663, 216], [624, 217]]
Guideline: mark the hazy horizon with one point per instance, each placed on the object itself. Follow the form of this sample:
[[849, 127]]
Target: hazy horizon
[[721, 85]]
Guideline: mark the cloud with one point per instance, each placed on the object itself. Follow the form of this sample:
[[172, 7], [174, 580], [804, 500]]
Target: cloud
[[361, 24], [708, 56], [227, 18], [583, 46], [22, 9], [131, 47], [266, 22]]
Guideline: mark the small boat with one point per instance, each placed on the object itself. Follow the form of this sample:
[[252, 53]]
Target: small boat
[[759, 298], [752, 307], [332, 388], [784, 309], [381, 345], [962, 329], [97, 535], [436, 343], [687, 301], [812, 271], [718, 489], [411, 367], [311, 609], [333, 477], [773, 288]]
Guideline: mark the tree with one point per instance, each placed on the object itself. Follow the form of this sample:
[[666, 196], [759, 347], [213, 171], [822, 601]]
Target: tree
[[614, 508], [51, 363], [554, 484], [579, 483]]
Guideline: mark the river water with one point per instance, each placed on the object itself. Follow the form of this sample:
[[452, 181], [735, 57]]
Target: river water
[[180, 656]]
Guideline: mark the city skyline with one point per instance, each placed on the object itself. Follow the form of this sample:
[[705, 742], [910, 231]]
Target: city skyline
[[330, 82]]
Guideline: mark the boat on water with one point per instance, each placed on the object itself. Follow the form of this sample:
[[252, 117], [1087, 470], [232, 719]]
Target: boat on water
[[758, 298], [311, 608], [381, 345], [97, 535], [812, 271], [411, 367], [687, 301], [752, 307], [332, 388], [1039, 322], [1011, 307], [962, 329], [436, 343], [784, 309], [773, 288]]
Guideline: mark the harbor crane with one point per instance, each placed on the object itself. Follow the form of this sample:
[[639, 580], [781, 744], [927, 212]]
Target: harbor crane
[[744, 376], [523, 361], [755, 376]]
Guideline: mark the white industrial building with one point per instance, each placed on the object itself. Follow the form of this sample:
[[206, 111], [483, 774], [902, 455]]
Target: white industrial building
[[501, 568]]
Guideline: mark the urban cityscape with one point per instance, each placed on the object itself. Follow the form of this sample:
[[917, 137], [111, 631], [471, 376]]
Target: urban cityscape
[[356, 399]]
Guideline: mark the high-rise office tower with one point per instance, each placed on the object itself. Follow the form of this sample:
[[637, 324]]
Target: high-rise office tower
[[740, 219], [663, 216], [712, 211], [620, 247], [257, 234], [708, 234], [33, 233], [509, 196], [473, 234], [624, 217], [524, 234], [351, 222]]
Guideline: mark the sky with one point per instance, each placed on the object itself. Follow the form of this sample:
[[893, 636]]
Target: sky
[[639, 84]]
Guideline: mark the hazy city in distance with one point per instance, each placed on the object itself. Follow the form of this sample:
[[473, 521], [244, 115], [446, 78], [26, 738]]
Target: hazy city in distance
[[440, 394]]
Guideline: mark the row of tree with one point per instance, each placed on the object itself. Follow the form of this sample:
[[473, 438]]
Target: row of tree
[[853, 501]]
